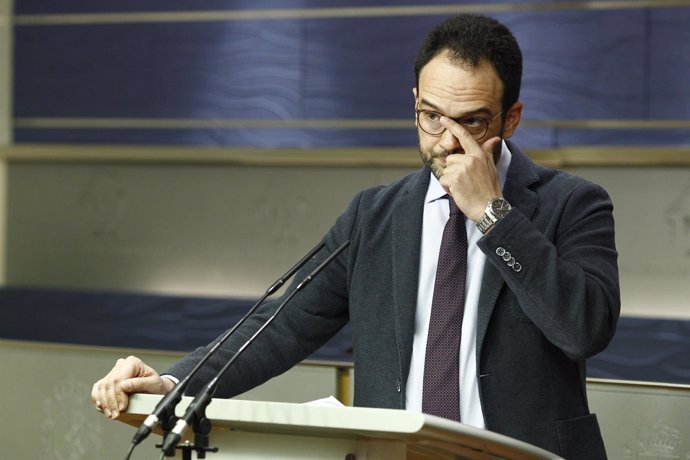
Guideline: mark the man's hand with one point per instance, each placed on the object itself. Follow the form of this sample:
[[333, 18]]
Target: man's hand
[[111, 394], [471, 178]]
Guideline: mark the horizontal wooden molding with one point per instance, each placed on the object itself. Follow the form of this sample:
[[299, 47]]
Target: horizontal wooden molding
[[604, 155], [405, 157], [339, 123], [209, 123], [124, 351], [242, 156]]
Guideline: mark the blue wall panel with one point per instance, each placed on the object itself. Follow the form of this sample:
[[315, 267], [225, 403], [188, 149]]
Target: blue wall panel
[[259, 138], [643, 349], [627, 137], [198, 70], [579, 65], [582, 64], [362, 68], [669, 51]]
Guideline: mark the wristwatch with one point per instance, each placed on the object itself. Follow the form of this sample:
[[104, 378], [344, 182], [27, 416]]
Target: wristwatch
[[496, 210]]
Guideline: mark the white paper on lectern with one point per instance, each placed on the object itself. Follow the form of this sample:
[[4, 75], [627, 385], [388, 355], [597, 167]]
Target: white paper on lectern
[[330, 401]]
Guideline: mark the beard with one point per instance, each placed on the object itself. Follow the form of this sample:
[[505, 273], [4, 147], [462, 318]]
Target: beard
[[432, 160]]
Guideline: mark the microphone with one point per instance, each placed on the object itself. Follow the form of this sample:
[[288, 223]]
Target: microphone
[[195, 411], [165, 409]]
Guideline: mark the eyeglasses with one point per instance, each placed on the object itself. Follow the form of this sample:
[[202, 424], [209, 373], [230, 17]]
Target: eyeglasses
[[430, 122]]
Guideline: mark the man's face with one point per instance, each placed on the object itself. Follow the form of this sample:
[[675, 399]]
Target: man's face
[[458, 91]]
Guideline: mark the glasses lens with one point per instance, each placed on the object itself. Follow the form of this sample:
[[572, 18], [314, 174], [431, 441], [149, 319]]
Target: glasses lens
[[430, 122], [476, 126]]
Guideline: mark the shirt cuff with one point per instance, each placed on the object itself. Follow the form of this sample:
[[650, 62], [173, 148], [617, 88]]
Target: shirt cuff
[[173, 379]]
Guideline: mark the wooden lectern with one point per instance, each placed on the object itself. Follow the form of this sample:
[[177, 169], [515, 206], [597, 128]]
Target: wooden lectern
[[255, 430]]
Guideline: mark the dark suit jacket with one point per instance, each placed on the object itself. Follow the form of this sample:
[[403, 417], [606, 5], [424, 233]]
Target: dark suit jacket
[[535, 326]]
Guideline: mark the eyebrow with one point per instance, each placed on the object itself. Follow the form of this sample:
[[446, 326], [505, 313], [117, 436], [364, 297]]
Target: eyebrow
[[482, 110]]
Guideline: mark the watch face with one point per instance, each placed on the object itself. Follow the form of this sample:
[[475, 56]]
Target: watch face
[[500, 207]]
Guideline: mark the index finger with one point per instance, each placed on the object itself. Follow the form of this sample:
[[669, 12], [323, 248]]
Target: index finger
[[467, 141], [469, 144]]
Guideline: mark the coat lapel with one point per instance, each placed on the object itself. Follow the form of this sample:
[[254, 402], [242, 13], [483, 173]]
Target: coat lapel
[[521, 175], [406, 228]]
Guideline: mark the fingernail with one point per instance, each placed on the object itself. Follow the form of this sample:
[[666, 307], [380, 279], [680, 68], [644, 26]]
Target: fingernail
[[115, 414], [106, 412]]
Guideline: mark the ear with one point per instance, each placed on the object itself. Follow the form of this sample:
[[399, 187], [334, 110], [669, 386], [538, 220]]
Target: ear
[[512, 120], [414, 93]]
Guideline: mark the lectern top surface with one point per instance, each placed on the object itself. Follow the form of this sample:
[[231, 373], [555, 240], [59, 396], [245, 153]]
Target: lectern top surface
[[412, 428]]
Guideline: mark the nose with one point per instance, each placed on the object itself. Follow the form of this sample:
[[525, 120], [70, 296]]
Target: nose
[[449, 142]]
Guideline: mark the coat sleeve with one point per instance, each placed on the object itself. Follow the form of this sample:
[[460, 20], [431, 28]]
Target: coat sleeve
[[307, 321], [562, 266]]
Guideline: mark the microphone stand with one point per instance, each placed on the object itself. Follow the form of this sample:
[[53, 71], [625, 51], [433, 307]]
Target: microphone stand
[[164, 411], [195, 414]]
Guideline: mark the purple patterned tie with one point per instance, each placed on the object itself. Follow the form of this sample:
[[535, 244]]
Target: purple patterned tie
[[441, 392]]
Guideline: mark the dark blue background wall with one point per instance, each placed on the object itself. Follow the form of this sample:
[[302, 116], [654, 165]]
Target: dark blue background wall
[[643, 349], [264, 72]]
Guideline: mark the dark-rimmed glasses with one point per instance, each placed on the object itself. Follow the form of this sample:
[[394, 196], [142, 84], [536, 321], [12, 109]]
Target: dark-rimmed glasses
[[429, 121]]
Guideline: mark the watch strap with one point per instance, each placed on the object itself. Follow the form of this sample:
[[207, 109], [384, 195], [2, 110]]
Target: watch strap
[[485, 223]]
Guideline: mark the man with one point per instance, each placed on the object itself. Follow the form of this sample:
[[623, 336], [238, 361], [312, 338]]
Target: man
[[538, 284]]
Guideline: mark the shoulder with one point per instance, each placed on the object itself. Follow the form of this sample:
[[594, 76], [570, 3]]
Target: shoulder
[[562, 182], [382, 197], [545, 180], [373, 207]]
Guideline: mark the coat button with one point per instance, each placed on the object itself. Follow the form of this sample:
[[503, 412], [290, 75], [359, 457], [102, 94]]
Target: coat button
[[500, 251], [397, 386], [517, 267]]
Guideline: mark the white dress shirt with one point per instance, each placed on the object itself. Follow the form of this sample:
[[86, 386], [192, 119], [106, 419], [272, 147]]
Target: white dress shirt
[[436, 214]]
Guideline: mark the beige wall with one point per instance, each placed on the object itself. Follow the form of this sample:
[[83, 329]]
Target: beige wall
[[228, 230], [641, 420], [192, 229], [48, 414], [652, 213], [5, 116]]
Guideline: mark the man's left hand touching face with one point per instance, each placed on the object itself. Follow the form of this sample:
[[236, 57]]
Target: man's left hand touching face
[[471, 178]]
